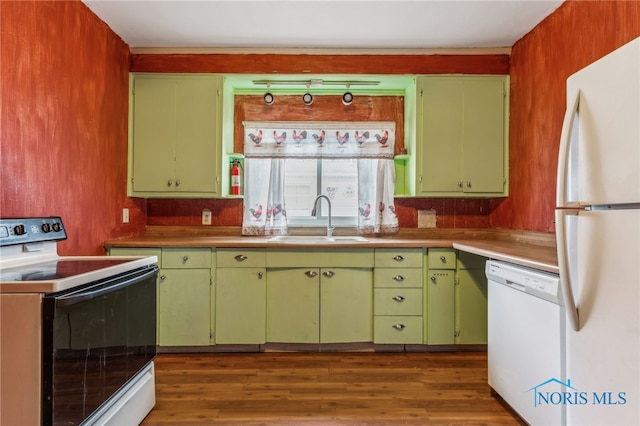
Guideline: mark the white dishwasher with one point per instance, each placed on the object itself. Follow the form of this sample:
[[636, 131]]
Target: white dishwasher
[[526, 341]]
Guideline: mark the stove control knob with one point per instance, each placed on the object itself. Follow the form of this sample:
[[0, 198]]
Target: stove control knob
[[19, 230], [46, 228], [56, 227]]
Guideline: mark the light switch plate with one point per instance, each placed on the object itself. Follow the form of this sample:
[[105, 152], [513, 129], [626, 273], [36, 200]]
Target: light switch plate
[[206, 217]]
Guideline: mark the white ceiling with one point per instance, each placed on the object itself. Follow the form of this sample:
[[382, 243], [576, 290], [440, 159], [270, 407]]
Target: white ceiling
[[322, 24]]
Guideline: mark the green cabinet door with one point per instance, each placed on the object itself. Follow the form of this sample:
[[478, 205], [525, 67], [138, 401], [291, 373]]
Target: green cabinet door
[[197, 147], [483, 149], [293, 308], [154, 129], [440, 307], [184, 307], [346, 305], [471, 307], [240, 306], [441, 119], [175, 144]]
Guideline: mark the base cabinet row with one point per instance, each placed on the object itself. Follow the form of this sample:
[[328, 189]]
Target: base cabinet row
[[385, 296]]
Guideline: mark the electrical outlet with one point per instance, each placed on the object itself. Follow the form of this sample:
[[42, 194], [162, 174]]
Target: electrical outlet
[[206, 217], [125, 215]]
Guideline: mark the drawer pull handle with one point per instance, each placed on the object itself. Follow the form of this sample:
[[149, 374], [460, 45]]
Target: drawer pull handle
[[328, 274], [398, 326], [433, 279], [184, 259], [443, 259], [311, 274], [398, 258], [260, 274], [398, 298], [163, 277], [398, 278], [241, 258]]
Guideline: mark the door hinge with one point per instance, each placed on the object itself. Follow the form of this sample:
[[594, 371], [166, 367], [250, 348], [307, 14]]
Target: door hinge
[[456, 281]]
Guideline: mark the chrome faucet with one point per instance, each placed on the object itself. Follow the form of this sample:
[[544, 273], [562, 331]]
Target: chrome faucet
[[313, 213]]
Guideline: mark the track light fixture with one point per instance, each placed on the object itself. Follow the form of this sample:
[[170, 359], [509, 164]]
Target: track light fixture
[[307, 98], [347, 97], [268, 96]]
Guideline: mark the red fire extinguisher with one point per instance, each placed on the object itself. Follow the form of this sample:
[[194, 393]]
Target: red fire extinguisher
[[236, 177]]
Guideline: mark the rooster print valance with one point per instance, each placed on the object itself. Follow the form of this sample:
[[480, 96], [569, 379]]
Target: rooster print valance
[[304, 139]]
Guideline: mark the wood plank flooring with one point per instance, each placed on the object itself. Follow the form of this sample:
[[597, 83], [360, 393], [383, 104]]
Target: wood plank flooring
[[349, 388]]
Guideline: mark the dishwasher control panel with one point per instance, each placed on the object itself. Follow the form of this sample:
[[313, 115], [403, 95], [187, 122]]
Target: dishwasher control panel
[[532, 281]]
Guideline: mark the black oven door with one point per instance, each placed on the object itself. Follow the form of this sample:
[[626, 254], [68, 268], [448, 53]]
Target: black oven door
[[95, 339]]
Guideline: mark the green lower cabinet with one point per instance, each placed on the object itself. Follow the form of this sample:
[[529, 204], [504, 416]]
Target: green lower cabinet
[[471, 307], [319, 305], [293, 309], [184, 307], [240, 306], [440, 307], [346, 305]]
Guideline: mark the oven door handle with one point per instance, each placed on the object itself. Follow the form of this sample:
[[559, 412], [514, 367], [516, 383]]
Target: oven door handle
[[83, 296]]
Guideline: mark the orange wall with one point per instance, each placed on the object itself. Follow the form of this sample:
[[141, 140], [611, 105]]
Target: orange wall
[[575, 35], [63, 125]]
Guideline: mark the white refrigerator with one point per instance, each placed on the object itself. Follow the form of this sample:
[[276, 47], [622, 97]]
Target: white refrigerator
[[598, 240]]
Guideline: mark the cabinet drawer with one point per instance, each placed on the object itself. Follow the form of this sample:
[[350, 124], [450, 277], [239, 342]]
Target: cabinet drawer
[[190, 258], [397, 329], [397, 277], [391, 301], [136, 251], [241, 258], [394, 258], [442, 259]]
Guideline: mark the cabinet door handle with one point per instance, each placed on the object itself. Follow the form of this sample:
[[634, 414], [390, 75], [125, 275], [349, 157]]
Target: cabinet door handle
[[311, 274], [241, 258], [468, 184], [398, 298], [443, 259], [398, 278], [178, 183], [328, 274], [184, 259], [398, 258], [433, 279], [260, 274], [169, 182], [459, 184], [398, 326], [163, 277]]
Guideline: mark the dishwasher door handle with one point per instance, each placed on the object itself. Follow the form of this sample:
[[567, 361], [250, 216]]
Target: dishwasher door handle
[[515, 285]]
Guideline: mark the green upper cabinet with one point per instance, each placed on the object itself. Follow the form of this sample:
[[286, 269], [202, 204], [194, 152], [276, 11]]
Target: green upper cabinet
[[175, 135], [462, 136]]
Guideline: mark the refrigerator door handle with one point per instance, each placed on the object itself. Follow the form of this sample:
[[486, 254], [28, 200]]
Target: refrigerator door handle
[[563, 153], [563, 265]]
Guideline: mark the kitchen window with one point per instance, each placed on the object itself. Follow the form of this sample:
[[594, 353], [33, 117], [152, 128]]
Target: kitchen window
[[306, 178], [289, 164]]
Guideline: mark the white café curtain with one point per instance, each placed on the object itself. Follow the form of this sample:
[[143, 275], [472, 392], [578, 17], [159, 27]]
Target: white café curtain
[[267, 144]]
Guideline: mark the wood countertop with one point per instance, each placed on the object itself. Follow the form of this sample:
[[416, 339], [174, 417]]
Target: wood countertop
[[525, 248]]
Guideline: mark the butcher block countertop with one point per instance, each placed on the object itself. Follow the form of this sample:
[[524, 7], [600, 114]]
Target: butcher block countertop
[[526, 248]]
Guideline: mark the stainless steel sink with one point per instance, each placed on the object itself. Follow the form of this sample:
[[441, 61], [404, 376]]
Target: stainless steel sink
[[314, 239]]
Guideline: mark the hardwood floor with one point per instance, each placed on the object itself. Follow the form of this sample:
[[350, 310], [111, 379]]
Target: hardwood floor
[[349, 388]]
